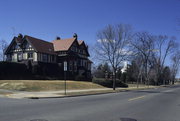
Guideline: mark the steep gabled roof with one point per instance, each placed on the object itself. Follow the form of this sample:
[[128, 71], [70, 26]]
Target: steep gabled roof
[[80, 42], [49, 47], [15, 40], [63, 44], [18, 39], [40, 45]]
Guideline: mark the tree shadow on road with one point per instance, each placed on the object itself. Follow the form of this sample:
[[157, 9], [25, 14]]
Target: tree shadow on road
[[143, 91], [127, 119]]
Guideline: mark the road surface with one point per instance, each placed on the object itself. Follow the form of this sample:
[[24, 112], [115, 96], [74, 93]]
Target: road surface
[[161, 104]]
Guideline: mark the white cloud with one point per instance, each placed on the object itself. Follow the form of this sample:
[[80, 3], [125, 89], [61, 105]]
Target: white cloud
[[124, 52], [104, 40]]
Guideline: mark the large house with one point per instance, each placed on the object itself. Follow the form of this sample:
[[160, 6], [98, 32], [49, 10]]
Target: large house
[[24, 49]]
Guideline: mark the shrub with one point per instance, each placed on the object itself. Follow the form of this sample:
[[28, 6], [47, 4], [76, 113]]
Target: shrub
[[80, 78], [108, 83], [121, 84]]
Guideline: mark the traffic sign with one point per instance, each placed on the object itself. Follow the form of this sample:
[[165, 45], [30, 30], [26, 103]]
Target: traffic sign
[[65, 65]]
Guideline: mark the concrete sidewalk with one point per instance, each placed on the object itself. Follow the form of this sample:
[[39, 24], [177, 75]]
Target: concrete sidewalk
[[60, 93], [50, 94]]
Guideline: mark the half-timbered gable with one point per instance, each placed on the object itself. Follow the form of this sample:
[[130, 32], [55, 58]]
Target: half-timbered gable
[[17, 50], [32, 49]]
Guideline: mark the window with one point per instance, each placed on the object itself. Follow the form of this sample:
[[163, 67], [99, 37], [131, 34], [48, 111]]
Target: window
[[53, 58], [9, 57], [45, 57], [89, 66], [84, 52], [85, 63], [81, 62], [75, 66], [62, 52], [16, 47], [27, 46], [13, 47], [80, 51], [73, 48], [30, 55], [76, 49], [20, 56], [70, 65]]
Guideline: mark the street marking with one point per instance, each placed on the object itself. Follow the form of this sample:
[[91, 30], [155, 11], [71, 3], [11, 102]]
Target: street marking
[[168, 91], [136, 98]]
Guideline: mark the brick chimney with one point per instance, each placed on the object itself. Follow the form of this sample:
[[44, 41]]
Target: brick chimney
[[58, 38], [75, 36]]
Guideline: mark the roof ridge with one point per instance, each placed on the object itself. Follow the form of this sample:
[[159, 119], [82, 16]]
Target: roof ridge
[[80, 42], [64, 39], [37, 38]]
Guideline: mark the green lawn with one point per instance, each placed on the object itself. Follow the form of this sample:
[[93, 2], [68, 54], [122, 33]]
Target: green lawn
[[45, 85]]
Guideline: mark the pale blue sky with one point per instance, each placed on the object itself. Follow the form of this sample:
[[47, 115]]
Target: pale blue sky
[[47, 19]]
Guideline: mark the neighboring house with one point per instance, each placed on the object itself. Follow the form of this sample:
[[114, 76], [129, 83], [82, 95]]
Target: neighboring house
[[24, 49], [124, 69]]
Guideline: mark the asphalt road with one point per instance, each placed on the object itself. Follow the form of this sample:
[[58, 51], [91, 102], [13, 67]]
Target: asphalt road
[[162, 104]]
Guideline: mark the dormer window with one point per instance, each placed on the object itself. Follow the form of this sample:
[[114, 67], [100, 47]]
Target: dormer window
[[72, 48], [76, 49], [16, 47], [84, 52], [27, 45], [81, 51]]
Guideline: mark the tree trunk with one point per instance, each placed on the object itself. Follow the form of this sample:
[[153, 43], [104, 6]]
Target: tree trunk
[[114, 80]]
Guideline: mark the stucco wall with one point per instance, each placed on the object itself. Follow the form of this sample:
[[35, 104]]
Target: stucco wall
[[24, 55], [35, 56], [14, 57]]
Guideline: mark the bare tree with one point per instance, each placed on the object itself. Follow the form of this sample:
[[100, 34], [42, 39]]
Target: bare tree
[[111, 46], [165, 47], [143, 47], [138, 70], [154, 51], [3, 46], [175, 65]]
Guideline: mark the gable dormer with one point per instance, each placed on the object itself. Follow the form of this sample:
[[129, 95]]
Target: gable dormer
[[14, 46], [19, 44], [74, 47], [83, 48]]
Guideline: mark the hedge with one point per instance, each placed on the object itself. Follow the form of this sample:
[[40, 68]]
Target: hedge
[[10, 70], [108, 83]]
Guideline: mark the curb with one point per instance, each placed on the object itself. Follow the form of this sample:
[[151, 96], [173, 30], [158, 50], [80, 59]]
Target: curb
[[98, 93], [69, 96], [101, 93]]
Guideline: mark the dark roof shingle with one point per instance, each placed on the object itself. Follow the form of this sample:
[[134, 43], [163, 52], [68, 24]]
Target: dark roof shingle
[[40, 45]]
